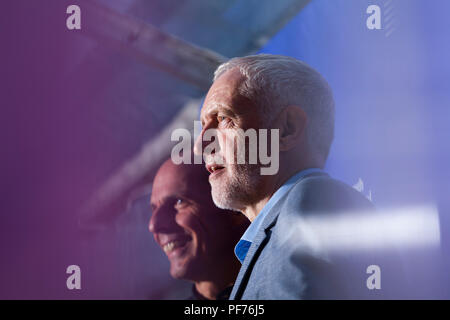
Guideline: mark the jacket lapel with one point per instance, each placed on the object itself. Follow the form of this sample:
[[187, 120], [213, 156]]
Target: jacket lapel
[[258, 244], [261, 239]]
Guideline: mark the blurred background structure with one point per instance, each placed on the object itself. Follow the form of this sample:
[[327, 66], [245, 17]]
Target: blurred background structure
[[88, 116]]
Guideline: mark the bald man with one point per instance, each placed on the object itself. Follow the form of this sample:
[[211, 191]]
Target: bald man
[[197, 237]]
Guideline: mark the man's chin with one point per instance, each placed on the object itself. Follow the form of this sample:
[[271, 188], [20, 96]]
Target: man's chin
[[178, 274], [182, 263], [225, 194], [224, 203], [184, 272], [229, 192], [178, 271]]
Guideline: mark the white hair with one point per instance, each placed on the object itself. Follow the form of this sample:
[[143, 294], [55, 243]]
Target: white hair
[[274, 82]]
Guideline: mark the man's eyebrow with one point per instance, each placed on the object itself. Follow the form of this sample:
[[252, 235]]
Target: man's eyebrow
[[172, 197], [157, 202], [218, 107]]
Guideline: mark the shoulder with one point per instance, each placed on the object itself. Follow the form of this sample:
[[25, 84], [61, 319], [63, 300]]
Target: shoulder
[[306, 266], [325, 194]]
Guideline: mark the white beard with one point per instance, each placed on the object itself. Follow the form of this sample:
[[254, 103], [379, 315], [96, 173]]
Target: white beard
[[235, 189]]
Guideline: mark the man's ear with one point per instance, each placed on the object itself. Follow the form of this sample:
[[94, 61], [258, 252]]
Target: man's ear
[[292, 124]]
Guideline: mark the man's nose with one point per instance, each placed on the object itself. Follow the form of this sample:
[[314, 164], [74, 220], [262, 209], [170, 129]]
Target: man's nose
[[200, 144], [210, 130], [162, 220]]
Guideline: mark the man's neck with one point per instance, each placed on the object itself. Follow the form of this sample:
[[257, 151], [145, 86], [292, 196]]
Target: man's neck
[[210, 289], [252, 210]]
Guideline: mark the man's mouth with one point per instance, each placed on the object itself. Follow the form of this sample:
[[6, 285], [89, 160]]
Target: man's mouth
[[213, 168], [175, 245], [172, 245]]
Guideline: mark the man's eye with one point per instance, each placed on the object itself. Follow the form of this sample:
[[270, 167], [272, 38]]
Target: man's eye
[[179, 202], [224, 121]]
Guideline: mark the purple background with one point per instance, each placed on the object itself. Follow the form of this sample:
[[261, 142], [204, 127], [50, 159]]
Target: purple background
[[392, 130]]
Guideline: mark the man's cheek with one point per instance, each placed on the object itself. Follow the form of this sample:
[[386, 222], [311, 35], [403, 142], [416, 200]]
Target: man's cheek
[[227, 146], [185, 218], [192, 217]]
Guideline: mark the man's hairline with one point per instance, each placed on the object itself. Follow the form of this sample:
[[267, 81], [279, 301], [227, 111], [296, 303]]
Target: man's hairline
[[268, 112]]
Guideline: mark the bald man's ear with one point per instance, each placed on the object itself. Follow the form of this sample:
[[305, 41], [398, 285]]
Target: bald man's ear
[[292, 124]]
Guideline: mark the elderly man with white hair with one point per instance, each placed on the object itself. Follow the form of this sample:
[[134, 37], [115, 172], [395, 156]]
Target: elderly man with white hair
[[282, 93]]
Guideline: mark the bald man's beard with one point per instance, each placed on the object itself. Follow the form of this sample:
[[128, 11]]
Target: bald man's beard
[[236, 188]]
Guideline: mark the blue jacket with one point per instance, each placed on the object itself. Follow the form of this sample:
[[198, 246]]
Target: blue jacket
[[284, 262]]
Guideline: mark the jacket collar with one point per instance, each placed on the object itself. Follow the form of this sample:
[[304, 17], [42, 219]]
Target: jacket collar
[[261, 239]]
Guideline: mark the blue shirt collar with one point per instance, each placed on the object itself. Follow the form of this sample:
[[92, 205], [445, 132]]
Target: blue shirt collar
[[243, 245]]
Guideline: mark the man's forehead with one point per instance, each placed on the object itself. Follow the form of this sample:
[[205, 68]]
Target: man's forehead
[[224, 88], [213, 107], [167, 188], [232, 77], [179, 180]]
